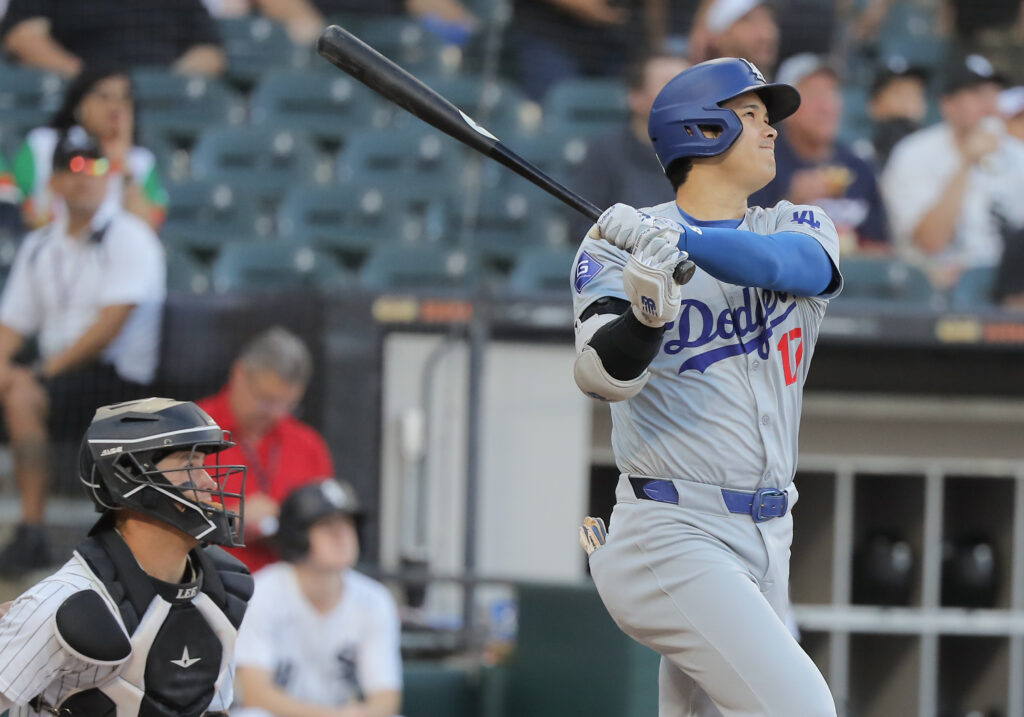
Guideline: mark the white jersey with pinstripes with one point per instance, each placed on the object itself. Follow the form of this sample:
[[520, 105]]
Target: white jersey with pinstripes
[[34, 662], [723, 402]]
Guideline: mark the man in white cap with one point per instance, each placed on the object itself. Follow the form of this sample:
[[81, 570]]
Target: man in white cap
[[737, 28]]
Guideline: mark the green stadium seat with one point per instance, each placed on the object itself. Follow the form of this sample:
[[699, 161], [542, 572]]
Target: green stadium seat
[[265, 266], [410, 267], [428, 209], [185, 275], [974, 289], [431, 689], [911, 30], [179, 107], [208, 212], [28, 98], [327, 109], [401, 155], [542, 270], [256, 45], [587, 105], [263, 162], [509, 223], [887, 279]]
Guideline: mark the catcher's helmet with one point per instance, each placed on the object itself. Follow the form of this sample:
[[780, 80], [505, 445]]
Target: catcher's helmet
[[305, 506], [691, 102], [117, 466]]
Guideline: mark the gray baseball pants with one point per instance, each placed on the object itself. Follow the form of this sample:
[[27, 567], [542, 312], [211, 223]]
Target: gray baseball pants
[[708, 590]]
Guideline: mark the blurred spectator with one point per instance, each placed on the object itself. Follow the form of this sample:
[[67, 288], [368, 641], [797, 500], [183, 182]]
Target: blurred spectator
[[100, 100], [1011, 107], [89, 286], [319, 639], [555, 40], [994, 29], [814, 167], [11, 226], [944, 183], [267, 382], [63, 36], [897, 107], [638, 179], [1008, 287], [737, 28]]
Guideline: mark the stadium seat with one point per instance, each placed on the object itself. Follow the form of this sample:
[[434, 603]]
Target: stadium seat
[[542, 270], [586, 105], [431, 689], [974, 289], [256, 45], [427, 208], [262, 266], [408, 267], [329, 109], [400, 155], [185, 275], [556, 153], [337, 220], [203, 215], [402, 40], [28, 98], [179, 107], [262, 162], [911, 30], [508, 224], [887, 279], [856, 123]]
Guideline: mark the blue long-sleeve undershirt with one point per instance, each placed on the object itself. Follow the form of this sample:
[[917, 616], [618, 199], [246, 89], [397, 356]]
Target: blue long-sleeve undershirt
[[788, 261]]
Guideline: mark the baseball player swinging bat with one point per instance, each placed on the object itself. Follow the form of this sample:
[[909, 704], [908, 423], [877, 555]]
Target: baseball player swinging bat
[[346, 51]]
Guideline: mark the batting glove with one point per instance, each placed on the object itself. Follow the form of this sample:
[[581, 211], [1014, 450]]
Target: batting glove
[[648, 281], [628, 228], [592, 534]]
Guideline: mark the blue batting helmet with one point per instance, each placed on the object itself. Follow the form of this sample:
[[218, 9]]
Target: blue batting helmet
[[692, 100]]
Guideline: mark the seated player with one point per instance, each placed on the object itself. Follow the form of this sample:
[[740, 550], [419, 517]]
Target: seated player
[[320, 639]]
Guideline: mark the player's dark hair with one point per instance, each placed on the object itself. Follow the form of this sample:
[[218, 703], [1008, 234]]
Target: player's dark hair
[[678, 171]]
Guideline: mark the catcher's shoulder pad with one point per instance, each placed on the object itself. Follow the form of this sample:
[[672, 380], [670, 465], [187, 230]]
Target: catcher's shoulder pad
[[85, 626], [227, 581]]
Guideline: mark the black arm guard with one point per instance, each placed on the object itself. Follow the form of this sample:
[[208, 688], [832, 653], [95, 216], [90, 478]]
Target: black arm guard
[[625, 345]]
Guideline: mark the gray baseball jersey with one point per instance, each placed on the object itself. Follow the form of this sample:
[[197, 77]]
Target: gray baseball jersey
[[724, 399], [721, 410]]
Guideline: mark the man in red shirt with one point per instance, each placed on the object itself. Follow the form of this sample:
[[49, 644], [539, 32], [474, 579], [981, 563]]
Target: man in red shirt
[[267, 382]]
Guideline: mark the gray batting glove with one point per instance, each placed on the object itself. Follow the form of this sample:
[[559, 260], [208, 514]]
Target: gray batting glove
[[626, 227], [648, 281]]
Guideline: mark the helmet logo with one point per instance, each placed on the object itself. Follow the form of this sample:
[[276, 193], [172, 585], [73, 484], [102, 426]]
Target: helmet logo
[[333, 493], [753, 69], [111, 451]]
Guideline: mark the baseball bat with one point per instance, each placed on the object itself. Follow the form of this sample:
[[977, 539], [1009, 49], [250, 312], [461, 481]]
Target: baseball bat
[[347, 52]]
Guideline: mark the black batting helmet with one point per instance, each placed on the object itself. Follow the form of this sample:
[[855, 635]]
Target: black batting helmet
[[305, 506], [117, 466]]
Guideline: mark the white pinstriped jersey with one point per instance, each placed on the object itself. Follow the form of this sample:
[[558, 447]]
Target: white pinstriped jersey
[[723, 402], [34, 661]]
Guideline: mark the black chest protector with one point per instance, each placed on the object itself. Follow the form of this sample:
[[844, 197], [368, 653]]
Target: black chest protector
[[183, 658]]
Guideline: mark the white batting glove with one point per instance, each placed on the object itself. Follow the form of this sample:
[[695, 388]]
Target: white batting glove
[[626, 227], [648, 282]]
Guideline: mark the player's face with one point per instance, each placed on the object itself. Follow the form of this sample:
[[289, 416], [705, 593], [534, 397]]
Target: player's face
[[333, 543], [750, 162], [186, 468], [106, 110]]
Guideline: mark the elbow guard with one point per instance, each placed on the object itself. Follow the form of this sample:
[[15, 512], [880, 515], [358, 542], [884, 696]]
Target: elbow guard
[[596, 382], [589, 370]]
